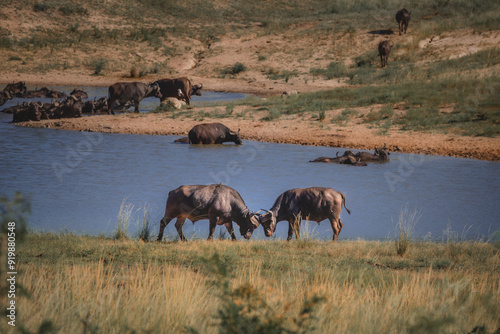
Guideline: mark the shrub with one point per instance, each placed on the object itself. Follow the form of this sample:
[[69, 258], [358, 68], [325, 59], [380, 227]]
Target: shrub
[[334, 70], [98, 65], [234, 70]]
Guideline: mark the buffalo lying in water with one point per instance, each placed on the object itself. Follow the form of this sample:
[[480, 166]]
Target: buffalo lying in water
[[315, 204], [217, 203], [358, 159], [213, 133], [70, 107]]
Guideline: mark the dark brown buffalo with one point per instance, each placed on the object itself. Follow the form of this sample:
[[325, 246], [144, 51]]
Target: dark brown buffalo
[[183, 140], [314, 204], [217, 203], [213, 133], [384, 49], [42, 92], [99, 106], [4, 97], [79, 93], [122, 92], [16, 89], [14, 109], [27, 112], [379, 155], [180, 88], [403, 18], [343, 159]]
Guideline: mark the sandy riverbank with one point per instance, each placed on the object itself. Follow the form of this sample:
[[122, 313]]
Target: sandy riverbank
[[291, 130]]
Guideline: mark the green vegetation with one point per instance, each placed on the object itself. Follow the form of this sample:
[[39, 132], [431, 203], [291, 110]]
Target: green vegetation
[[80, 283], [233, 70], [475, 104]]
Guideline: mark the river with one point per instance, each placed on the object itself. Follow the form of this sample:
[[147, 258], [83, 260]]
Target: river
[[77, 182]]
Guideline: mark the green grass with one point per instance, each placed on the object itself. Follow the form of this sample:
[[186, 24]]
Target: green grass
[[206, 286]]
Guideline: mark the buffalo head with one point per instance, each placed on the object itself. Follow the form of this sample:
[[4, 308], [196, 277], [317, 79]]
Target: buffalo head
[[246, 230], [235, 137], [196, 90], [268, 221], [155, 88]]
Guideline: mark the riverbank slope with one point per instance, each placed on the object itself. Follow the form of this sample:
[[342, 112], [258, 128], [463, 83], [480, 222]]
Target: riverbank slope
[[294, 129]]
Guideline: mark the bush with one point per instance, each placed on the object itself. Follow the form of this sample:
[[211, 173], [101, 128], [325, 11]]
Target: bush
[[234, 70], [98, 65]]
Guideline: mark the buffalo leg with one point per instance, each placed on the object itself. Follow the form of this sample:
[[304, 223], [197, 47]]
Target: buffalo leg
[[136, 104], [178, 225], [111, 106], [229, 227], [290, 231], [293, 226], [211, 229], [336, 227], [163, 223]]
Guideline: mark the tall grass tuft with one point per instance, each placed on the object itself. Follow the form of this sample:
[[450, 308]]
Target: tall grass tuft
[[407, 220], [124, 218], [145, 232]]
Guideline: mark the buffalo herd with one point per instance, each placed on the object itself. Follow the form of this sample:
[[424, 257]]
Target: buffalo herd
[[218, 203], [121, 96]]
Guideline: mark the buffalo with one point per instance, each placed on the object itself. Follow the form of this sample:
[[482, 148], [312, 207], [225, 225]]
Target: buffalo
[[182, 140], [4, 97], [379, 155], [403, 18], [16, 89], [315, 204], [180, 88], [348, 158], [217, 203], [384, 49], [358, 159], [42, 92], [122, 92], [80, 93], [27, 111], [213, 133], [70, 107]]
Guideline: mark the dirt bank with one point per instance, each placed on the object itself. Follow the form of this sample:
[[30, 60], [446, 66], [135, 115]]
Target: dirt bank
[[292, 130]]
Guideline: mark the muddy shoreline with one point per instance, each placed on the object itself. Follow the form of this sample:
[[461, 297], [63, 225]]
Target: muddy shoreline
[[289, 131]]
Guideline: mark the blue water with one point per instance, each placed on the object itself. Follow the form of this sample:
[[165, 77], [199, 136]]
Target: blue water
[[77, 181]]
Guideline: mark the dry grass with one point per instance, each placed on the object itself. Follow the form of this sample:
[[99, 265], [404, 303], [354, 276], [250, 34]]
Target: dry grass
[[122, 286]]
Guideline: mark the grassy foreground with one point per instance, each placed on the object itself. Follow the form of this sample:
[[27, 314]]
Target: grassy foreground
[[99, 285]]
